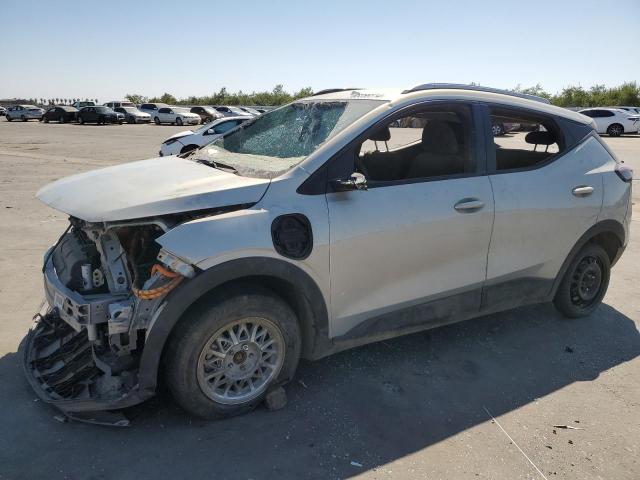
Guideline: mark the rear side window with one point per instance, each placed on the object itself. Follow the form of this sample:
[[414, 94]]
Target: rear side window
[[523, 140], [164, 110], [148, 106]]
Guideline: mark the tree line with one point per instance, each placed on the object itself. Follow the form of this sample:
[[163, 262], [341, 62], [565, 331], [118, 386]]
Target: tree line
[[276, 96], [573, 96], [627, 94]]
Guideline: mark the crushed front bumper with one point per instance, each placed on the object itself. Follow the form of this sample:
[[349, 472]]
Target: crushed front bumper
[[65, 370]]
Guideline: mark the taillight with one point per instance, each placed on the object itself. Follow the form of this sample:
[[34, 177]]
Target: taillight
[[624, 172]]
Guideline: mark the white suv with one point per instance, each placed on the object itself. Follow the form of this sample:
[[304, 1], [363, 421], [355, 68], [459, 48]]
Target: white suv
[[340, 219], [176, 116], [612, 121], [183, 142]]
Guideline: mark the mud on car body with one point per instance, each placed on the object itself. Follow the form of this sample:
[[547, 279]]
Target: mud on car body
[[344, 218]]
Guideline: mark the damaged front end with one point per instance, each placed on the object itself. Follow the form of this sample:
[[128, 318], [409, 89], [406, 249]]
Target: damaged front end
[[103, 284]]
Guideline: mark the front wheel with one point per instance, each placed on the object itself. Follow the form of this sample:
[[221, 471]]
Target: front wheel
[[225, 355], [156, 121], [179, 121], [615, 130], [23, 118], [81, 120], [585, 282], [8, 118]]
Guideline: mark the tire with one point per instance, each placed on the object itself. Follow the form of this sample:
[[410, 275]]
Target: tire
[[585, 282], [497, 130], [8, 118], [130, 119], [615, 130], [258, 310], [23, 118], [156, 120], [188, 148], [45, 119], [63, 120], [119, 122], [179, 121], [81, 120]]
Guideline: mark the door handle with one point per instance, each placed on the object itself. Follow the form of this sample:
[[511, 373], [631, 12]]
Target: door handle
[[468, 205], [582, 191]]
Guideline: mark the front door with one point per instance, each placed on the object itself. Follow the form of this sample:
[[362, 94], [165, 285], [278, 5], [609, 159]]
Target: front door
[[412, 249]]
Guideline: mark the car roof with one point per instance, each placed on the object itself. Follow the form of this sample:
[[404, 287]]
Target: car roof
[[447, 91]]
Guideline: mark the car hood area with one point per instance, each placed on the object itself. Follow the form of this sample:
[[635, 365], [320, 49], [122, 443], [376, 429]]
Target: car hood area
[[149, 188], [184, 133]]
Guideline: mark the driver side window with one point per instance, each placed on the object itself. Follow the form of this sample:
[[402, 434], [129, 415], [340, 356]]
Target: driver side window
[[428, 143]]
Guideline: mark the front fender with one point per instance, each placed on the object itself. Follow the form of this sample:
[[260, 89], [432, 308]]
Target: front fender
[[312, 308]]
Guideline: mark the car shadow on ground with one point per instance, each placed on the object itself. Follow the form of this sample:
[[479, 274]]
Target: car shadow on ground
[[372, 405]]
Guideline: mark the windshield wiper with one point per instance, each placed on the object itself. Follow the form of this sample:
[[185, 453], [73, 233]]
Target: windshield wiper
[[217, 165]]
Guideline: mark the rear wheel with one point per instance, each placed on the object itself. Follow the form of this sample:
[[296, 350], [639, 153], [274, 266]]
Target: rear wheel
[[497, 130], [225, 355], [615, 130], [156, 120], [585, 282], [23, 118], [81, 120], [62, 119]]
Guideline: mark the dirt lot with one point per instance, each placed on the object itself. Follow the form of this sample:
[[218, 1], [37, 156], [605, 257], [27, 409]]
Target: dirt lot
[[414, 407]]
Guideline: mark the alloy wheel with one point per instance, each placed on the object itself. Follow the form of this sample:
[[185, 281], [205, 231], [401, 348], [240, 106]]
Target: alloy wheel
[[239, 361]]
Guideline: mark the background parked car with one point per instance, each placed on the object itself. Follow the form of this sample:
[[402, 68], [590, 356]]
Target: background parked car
[[79, 105], [176, 115], [99, 115], [251, 111], [3, 111], [24, 113], [612, 121], [62, 114], [207, 114], [119, 103], [133, 115], [152, 108], [631, 110], [188, 140], [230, 111]]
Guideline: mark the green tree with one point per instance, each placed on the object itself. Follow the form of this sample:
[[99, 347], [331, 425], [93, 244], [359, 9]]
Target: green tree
[[136, 98]]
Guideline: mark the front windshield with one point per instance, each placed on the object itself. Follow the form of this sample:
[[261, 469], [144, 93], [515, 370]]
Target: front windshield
[[276, 141]]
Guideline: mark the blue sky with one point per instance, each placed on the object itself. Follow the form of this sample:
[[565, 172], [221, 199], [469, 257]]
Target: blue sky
[[105, 49]]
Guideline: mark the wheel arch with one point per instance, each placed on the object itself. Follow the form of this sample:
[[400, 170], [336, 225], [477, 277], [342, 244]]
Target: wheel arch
[[284, 279], [609, 234]]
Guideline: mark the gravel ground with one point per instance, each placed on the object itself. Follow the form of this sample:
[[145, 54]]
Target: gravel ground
[[477, 399]]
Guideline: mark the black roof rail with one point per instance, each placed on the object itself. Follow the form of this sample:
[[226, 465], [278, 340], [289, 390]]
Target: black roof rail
[[475, 88], [333, 90]]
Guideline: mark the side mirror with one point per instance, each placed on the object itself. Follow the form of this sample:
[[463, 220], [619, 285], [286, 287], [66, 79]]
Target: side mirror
[[211, 131], [356, 181]]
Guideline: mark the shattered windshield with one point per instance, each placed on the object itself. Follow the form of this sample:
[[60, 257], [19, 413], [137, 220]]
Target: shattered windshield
[[276, 141]]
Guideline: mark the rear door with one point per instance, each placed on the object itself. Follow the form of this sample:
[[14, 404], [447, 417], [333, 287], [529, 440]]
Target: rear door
[[412, 249], [548, 192]]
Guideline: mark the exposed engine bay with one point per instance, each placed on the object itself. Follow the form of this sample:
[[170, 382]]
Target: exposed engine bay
[[103, 284]]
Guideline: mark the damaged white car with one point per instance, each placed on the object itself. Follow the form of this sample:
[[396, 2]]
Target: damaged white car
[[343, 218]]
